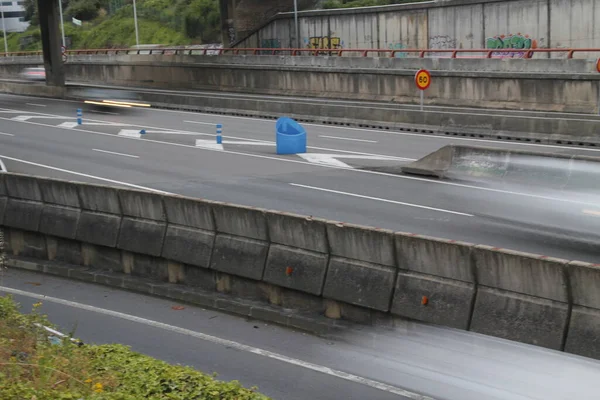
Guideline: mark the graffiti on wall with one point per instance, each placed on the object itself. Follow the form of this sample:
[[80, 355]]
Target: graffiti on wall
[[442, 42], [398, 46], [270, 44], [323, 42], [510, 41]]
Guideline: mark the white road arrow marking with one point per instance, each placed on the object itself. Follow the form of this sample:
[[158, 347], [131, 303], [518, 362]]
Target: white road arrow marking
[[68, 125], [130, 133], [332, 159], [209, 145]]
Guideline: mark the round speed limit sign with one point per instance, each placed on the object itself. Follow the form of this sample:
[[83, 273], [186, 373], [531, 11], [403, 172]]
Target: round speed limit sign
[[423, 79]]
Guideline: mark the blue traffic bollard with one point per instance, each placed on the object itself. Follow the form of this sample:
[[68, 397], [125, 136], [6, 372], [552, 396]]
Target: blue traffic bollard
[[143, 132], [219, 133], [79, 116]]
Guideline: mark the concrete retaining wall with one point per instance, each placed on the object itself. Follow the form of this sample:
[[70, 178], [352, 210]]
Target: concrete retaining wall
[[294, 269], [448, 24]]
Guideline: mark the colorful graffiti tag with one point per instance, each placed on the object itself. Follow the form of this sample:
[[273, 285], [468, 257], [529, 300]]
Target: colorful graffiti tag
[[510, 41], [398, 46], [270, 44], [323, 42]]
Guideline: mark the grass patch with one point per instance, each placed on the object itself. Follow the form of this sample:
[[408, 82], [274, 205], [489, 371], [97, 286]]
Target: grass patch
[[35, 367]]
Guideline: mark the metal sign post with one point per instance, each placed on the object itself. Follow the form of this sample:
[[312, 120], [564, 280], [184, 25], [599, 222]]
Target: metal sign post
[[423, 81]]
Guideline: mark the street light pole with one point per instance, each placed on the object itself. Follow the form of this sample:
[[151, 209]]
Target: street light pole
[[296, 23], [62, 23], [4, 30], [137, 37]]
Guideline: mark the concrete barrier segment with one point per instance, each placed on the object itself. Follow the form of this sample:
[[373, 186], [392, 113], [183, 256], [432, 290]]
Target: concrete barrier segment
[[297, 231], [98, 228], [239, 256], [241, 221], [525, 273], [360, 283], [141, 236], [437, 257], [433, 299], [361, 243], [295, 268], [59, 192], [23, 187], [189, 212], [188, 245], [98, 198], [139, 204]]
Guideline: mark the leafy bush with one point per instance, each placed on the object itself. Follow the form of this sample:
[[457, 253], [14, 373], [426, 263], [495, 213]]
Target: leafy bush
[[33, 367]]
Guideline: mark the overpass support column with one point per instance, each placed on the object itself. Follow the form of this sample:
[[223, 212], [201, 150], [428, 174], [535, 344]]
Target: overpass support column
[[228, 34], [50, 31]]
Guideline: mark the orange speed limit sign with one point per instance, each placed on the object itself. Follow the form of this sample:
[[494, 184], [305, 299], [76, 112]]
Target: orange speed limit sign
[[423, 79]]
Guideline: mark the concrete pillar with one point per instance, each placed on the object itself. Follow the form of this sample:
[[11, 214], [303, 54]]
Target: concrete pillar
[[51, 42], [228, 34]]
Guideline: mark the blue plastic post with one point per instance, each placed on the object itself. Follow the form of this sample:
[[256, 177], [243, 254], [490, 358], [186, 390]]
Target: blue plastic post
[[219, 133], [79, 116], [143, 132]]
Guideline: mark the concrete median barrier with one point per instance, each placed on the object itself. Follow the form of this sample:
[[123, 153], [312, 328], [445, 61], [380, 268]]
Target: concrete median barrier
[[521, 297], [554, 171], [295, 270], [436, 282]]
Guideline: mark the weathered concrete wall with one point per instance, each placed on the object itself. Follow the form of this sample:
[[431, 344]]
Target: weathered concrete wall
[[539, 85], [460, 24], [293, 268]]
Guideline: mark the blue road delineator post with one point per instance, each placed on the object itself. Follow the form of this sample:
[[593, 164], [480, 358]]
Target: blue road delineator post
[[143, 132], [219, 133], [290, 136], [79, 116]]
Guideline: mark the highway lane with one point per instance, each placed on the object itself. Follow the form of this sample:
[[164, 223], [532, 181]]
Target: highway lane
[[443, 363], [390, 143], [259, 178]]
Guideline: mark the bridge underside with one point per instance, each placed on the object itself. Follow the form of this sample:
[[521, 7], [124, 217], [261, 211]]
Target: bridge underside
[[51, 44]]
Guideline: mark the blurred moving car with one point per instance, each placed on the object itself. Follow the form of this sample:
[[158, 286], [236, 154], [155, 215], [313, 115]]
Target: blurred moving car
[[34, 74]]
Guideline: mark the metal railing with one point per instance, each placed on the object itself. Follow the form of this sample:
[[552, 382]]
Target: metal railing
[[417, 53]]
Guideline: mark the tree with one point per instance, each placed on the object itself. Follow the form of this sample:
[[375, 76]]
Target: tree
[[85, 10], [31, 12]]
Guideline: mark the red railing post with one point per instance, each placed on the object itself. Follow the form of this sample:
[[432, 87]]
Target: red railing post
[[571, 52]]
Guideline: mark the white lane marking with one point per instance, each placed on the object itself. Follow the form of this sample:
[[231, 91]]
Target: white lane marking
[[179, 133], [201, 123], [363, 171], [84, 175], [36, 105], [332, 159], [595, 213], [130, 133], [115, 153], [2, 167], [344, 138], [380, 199], [68, 125], [225, 343], [6, 134], [249, 143], [209, 145], [24, 118]]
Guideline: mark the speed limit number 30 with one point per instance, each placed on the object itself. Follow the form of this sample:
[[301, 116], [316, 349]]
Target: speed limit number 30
[[423, 79]]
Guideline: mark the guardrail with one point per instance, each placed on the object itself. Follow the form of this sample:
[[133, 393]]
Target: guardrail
[[418, 53]]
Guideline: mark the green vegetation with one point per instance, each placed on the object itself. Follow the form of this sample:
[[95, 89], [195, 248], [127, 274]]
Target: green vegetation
[[34, 367], [364, 3], [109, 23]]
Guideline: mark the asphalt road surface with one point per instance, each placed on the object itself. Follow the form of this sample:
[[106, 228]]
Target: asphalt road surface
[[178, 155], [408, 362]]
